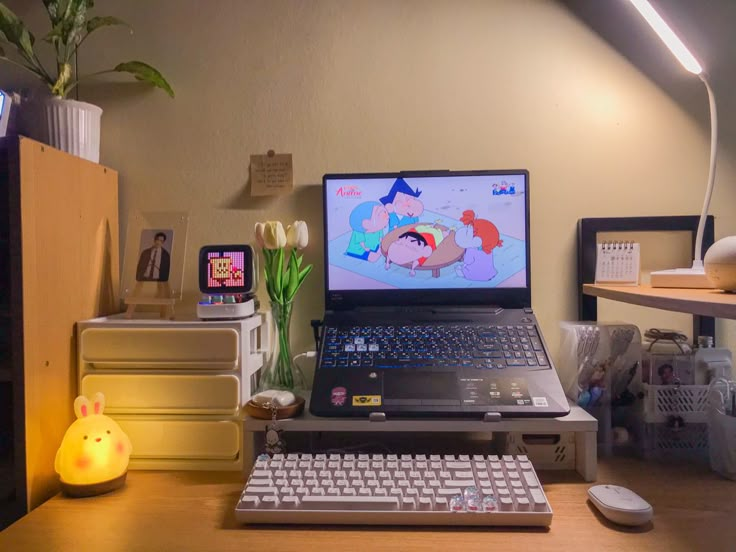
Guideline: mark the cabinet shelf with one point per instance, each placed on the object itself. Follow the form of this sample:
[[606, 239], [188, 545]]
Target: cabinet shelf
[[703, 302]]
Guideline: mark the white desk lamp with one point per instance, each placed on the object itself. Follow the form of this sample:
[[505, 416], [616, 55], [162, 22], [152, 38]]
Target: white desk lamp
[[693, 277]]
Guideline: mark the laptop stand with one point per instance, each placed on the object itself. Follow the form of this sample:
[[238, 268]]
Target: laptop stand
[[578, 423]]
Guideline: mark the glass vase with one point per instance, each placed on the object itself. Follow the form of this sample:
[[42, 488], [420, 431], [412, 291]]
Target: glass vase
[[281, 372]]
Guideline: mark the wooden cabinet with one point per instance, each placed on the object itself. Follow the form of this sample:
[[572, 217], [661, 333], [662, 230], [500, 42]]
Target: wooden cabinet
[[58, 264]]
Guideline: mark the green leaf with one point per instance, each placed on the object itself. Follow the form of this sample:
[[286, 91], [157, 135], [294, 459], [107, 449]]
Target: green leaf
[[293, 278], [97, 22], [53, 36], [15, 32], [146, 73], [73, 21], [52, 7], [269, 284], [280, 274], [304, 273]]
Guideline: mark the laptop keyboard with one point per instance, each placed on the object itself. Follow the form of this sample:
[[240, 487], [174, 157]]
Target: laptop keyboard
[[433, 345]]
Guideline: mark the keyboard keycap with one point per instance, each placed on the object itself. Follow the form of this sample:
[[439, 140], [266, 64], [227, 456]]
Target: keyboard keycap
[[260, 490], [249, 501], [351, 502], [530, 478], [457, 465]]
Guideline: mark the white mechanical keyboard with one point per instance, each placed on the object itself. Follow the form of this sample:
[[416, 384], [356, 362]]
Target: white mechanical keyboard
[[391, 489]]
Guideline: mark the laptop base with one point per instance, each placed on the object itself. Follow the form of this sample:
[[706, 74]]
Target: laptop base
[[486, 379]]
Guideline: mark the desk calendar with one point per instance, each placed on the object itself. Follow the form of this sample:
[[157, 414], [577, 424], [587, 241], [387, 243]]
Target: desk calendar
[[617, 263]]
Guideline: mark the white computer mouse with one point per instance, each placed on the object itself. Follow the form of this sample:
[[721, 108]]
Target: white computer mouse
[[620, 505], [281, 398]]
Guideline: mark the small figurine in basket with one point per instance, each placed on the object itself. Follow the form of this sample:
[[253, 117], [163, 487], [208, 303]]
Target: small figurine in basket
[[593, 390]]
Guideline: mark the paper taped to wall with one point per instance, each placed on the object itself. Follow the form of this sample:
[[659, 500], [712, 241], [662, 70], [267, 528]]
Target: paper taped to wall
[[271, 174]]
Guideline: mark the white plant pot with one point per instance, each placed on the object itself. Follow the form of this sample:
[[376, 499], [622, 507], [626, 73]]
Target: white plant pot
[[67, 125]]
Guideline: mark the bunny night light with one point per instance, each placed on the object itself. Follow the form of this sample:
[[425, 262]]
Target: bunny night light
[[93, 456]]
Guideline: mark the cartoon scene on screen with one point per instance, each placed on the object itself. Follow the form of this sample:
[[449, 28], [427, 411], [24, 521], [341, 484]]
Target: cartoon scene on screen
[[427, 233], [225, 269]]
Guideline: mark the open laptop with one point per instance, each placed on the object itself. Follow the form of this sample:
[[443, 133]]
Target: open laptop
[[428, 299]]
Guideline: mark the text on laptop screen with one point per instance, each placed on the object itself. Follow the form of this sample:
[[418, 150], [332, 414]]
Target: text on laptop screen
[[428, 232]]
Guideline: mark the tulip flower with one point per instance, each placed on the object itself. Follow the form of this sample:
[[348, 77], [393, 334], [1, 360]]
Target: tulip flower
[[259, 234], [274, 236], [283, 280], [297, 235]]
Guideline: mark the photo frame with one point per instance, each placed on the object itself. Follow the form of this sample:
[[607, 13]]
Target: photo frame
[[153, 265], [670, 369]]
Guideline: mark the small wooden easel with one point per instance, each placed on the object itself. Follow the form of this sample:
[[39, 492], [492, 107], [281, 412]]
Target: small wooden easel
[[162, 298]]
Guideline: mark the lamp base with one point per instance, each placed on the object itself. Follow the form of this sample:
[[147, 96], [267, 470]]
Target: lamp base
[[93, 489], [692, 278]]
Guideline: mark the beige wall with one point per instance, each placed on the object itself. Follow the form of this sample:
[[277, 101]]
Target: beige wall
[[392, 85]]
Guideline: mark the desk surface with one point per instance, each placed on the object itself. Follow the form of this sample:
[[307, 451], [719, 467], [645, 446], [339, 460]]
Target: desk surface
[[694, 509]]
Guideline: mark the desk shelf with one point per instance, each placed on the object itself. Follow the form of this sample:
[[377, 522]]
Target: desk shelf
[[703, 302], [699, 303]]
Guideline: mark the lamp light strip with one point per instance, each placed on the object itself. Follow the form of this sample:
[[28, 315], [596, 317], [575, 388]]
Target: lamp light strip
[[678, 49]]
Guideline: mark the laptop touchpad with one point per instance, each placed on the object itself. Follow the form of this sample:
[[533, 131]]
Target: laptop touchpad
[[423, 386]]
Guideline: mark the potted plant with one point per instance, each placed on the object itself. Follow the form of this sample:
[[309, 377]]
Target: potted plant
[[69, 125]]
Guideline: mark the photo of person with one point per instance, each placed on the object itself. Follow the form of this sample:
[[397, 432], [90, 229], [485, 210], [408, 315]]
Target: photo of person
[[154, 259], [666, 374]]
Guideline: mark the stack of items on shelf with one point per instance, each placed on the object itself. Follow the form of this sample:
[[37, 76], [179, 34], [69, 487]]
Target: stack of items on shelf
[[599, 370], [722, 427], [661, 410], [676, 379]]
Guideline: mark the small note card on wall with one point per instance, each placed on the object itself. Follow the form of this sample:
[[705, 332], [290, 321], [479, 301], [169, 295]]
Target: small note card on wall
[[271, 174], [617, 263]]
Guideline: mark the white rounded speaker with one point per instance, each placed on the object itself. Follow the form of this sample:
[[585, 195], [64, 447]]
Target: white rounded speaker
[[720, 264]]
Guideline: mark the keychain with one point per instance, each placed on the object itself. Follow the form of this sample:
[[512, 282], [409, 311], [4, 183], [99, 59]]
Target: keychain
[[275, 443]]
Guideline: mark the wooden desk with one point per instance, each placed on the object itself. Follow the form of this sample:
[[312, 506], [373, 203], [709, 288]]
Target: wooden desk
[[694, 509]]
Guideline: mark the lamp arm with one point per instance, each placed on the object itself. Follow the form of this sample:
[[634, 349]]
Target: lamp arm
[[698, 259]]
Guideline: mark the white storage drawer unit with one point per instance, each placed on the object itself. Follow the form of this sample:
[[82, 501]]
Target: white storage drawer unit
[[164, 394], [162, 347], [177, 388]]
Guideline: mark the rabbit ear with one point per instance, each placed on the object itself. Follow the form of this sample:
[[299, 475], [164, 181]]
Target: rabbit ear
[[99, 403], [81, 406]]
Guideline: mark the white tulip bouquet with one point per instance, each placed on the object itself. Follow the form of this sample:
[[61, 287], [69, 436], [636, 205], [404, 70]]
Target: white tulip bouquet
[[283, 280]]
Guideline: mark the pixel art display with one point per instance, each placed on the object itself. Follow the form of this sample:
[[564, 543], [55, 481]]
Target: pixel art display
[[428, 232], [225, 269]]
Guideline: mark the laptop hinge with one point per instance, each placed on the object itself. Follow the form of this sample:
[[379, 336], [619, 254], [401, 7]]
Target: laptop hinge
[[377, 417], [528, 310], [492, 417]]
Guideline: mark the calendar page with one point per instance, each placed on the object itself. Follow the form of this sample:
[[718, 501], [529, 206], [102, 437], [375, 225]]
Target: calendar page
[[617, 263]]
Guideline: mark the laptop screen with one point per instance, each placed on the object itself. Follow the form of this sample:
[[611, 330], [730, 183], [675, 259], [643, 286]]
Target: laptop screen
[[439, 238]]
